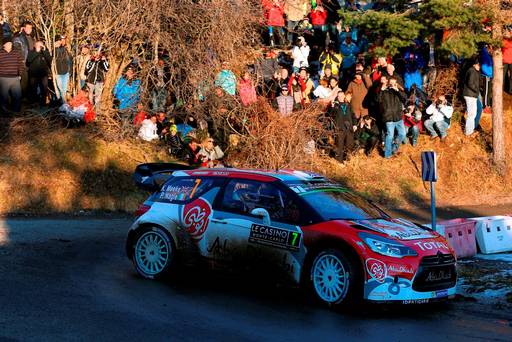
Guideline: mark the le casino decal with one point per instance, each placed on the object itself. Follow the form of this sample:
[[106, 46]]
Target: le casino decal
[[196, 216], [377, 269]]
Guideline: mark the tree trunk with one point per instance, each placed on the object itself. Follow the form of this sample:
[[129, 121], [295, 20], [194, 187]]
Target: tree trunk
[[498, 136]]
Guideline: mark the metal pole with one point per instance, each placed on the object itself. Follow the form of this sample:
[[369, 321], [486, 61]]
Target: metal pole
[[433, 204]]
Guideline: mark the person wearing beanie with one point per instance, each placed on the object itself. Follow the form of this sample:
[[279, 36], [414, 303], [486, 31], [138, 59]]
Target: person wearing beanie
[[12, 67]]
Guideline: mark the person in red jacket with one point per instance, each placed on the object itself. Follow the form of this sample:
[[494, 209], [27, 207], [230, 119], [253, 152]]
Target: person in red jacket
[[275, 21], [507, 64], [318, 20]]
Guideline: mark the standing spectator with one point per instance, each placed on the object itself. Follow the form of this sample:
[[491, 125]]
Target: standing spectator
[[140, 116], [148, 129], [64, 66], [343, 116], [507, 63], [159, 92], [81, 61], [359, 89], [281, 78], [247, 90], [300, 54], [319, 20], [391, 98], [295, 11], [127, 90], [5, 27], [486, 70], [471, 92], [276, 23], [306, 84], [226, 79], [367, 134], [390, 72], [96, 70], [12, 67], [39, 63], [24, 43], [266, 67], [412, 120], [412, 74], [440, 112], [284, 102], [349, 51]]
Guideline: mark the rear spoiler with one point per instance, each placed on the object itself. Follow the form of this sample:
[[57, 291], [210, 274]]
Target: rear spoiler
[[151, 176]]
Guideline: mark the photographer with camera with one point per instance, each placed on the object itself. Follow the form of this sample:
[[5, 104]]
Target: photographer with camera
[[39, 63], [440, 111], [391, 99], [96, 69], [412, 122]]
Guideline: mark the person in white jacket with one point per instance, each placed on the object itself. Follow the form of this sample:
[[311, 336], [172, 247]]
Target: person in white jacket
[[300, 54], [148, 129], [211, 154], [440, 112]]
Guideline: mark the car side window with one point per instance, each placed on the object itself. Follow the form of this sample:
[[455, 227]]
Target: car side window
[[184, 189], [242, 196]]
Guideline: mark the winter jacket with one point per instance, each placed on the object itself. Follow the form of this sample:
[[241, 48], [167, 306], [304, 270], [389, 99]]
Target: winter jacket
[[507, 51], [343, 116], [81, 61], [6, 30], [96, 70], [322, 92], [266, 67], [349, 52], [471, 83], [296, 10], [247, 92], [300, 56], [226, 79], [11, 63], [215, 154], [147, 131], [63, 60], [128, 93], [391, 104], [23, 43], [39, 63], [359, 92], [486, 63], [440, 113], [413, 77], [285, 104], [276, 16], [364, 133], [413, 120], [318, 18], [333, 60]]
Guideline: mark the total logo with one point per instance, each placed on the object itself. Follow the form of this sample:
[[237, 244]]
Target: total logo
[[428, 246]]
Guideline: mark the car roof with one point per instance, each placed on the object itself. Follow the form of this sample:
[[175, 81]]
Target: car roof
[[285, 175]]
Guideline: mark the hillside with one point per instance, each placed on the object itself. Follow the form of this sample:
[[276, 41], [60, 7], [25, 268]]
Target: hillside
[[47, 168]]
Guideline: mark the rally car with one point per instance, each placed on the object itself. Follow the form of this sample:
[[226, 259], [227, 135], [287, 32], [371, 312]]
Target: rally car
[[298, 226]]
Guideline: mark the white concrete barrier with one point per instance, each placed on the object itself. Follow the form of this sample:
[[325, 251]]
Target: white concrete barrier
[[494, 234]]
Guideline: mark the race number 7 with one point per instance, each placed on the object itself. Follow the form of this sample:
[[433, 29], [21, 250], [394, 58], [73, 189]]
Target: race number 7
[[294, 238]]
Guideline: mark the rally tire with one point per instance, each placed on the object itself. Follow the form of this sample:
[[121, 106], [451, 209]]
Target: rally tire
[[333, 278], [153, 253]]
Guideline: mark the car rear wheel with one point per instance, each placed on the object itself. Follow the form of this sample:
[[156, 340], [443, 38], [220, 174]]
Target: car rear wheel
[[332, 277], [153, 253]]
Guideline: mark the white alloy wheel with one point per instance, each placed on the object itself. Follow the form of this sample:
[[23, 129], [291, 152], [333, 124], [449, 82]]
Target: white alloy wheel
[[330, 278], [152, 253]]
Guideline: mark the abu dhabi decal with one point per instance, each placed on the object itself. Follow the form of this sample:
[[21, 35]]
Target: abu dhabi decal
[[196, 216], [400, 269], [377, 269], [277, 237]]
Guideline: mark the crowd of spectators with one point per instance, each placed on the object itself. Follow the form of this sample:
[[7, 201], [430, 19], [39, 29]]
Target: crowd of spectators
[[309, 58]]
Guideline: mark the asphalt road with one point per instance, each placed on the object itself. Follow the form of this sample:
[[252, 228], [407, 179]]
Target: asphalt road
[[70, 280]]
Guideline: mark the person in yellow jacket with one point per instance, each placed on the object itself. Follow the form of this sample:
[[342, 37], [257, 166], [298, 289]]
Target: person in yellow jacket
[[330, 58]]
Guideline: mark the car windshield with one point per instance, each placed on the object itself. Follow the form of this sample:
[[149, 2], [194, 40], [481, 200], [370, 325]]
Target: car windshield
[[340, 204]]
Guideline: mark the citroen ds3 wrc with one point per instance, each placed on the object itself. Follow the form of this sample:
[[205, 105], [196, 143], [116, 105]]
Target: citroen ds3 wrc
[[297, 226]]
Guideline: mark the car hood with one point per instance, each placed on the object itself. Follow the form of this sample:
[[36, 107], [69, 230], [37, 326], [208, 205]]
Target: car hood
[[397, 228]]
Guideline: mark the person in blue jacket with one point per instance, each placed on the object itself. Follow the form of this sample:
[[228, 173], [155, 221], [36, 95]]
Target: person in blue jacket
[[486, 70], [127, 90], [412, 74], [226, 79]]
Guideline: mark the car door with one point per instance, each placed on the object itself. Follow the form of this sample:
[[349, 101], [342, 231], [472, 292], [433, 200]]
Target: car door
[[235, 235]]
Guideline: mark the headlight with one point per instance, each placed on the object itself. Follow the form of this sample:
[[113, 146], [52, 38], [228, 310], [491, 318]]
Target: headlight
[[386, 247]]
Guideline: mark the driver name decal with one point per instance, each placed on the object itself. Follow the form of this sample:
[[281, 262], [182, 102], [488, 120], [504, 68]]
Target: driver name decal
[[271, 236], [196, 216], [377, 269]]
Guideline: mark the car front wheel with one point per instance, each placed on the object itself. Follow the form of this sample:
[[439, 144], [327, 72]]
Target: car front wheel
[[153, 253], [332, 277]]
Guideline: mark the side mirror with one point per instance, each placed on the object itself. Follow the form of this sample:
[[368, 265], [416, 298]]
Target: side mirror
[[263, 213]]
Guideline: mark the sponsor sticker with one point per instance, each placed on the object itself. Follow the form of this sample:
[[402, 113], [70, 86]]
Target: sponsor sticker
[[394, 268], [415, 301], [196, 216], [277, 237], [442, 293], [428, 246], [377, 269]]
